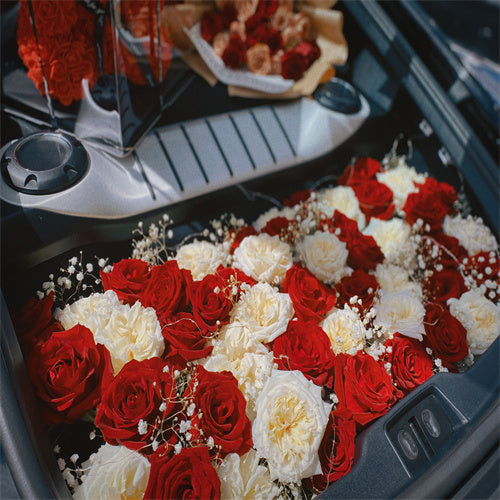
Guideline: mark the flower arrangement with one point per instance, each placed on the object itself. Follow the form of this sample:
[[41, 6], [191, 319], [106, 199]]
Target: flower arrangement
[[243, 362], [267, 36], [60, 47]]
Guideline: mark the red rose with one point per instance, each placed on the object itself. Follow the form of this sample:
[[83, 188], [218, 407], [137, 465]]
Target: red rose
[[311, 299], [364, 253], [136, 394], [222, 406], [234, 277], [336, 451], [69, 373], [184, 340], [375, 199], [363, 386], [306, 347], [411, 366], [442, 190], [272, 38], [293, 65], [35, 323], [211, 24], [364, 169], [445, 335], [127, 279], [425, 205], [53, 17], [309, 49], [167, 290], [267, 8], [444, 285], [234, 55], [443, 249], [239, 235], [297, 197], [359, 284], [188, 474], [211, 299], [282, 227]]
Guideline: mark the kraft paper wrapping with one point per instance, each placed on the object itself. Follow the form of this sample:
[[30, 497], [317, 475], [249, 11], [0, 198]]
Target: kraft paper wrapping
[[327, 25]]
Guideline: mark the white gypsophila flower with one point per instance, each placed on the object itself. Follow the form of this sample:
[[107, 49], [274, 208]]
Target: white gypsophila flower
[[401, 182], [115, 472], [272, 213], [264, 311], [127, 332], [201, 258], [393, 278], [244, 478], [263, 258], [325, 256], [393, 238], [343, 199], [479, 316], [345, 330], [290, 422], [471, 233], [401, 312]]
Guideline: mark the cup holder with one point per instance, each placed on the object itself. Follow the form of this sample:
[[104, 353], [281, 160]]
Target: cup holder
[[43, 163]]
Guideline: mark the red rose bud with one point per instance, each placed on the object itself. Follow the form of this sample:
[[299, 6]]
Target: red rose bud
[[363, 387], [223, 410], [411, 366], [188, 474], [267, 8], [293, 65], [311, 299], [69, 372], [127, 279], [364, 169], [297, 197], [139, 401], [234, 55], [282, 227], [306, 347], [240, 235], [445, 335]]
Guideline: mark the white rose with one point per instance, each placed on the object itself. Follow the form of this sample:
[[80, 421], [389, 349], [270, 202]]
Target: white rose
[[201, 258], [393, 238], [291, 419], [264, 258], [479, 316], [325, 256], [401, 312], [131, 333], [343, 199], [93, 311], [345, 330], [264, 311], [115, 472], [274, 212], [243, 478], [471, 233], [392, 278], [401, 182], [127, 332]]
